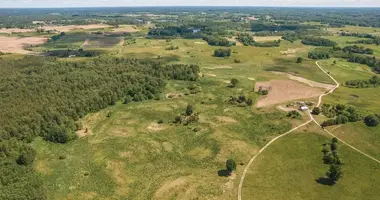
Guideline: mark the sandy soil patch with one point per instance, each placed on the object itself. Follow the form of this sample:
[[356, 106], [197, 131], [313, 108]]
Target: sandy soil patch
[[219, 67], [212, 75], [16, 30], [120, 131], [285, 90], [126, 154], [226, 119], [169, 186], [266, 38], [155, 127], [251, 79], [199, 43], [173, 95], [290, 52], [17, 45], [307, 81], [121, 43]]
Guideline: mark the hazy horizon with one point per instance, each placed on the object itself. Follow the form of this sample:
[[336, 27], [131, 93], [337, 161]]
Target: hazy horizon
[[185, 3]]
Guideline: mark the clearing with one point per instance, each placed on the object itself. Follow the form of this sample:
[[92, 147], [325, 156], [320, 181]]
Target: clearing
[[17, 44], [285, 90]]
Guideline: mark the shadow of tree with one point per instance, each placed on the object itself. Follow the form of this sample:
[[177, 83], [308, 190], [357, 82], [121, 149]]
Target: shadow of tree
[[325, 181], [224, 173]]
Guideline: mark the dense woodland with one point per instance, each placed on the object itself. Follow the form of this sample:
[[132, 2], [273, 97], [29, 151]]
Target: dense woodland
[[318, 41], [218, 41], [357, 49], [44, 97]]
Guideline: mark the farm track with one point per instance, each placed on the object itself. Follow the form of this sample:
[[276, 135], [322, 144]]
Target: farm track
[[312, 119]]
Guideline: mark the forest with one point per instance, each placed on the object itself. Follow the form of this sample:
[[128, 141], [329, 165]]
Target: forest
[[318, 41]]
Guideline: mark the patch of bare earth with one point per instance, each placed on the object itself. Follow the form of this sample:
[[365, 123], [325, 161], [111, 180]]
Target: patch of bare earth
[[219, 67], [85, 43], [290, 52], [17, 44], [266, 38], [226, 119], [285, 90], [153, 127], [212, 75], [174, 95], [16, 30], [307, 81]]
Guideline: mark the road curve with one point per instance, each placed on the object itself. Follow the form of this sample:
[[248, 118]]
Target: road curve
[[284, 134]]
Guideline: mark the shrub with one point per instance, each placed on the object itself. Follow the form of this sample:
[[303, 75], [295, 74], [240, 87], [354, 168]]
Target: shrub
[[230, 165], [316, 111], [371, 120], [222, 52], [299, 60]]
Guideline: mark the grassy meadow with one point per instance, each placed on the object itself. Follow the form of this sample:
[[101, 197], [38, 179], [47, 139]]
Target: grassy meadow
[[127, 154]]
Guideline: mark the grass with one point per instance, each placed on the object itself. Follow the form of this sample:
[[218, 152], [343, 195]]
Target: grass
[[129, 156], [126, 159], [356, 29], [290, 167]]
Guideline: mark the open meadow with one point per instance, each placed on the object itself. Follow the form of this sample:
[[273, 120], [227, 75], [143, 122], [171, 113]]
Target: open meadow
[[189, 104]]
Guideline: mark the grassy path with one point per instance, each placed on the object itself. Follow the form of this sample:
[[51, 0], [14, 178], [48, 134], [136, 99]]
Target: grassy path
[[312, 119]]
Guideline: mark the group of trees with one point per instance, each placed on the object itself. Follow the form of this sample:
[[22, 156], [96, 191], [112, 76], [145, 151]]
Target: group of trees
[[167, 32], [372, 82], [318, 41], [218, 41], [272, 27], [294, 114], [357, 49], [319, 54], [222, 53], [367, 60], [41, 96], [240, 101], [188, 117], [331, 157], [247, 40], [340, 114], [68, 53]]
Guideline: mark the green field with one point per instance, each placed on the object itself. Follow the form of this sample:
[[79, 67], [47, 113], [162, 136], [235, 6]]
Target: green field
[[290, 168], [136, 151]]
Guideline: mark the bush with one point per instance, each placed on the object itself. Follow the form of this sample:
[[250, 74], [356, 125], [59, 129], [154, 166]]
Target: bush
[[299, 60], [222, 52], [293, 114], [371, 120], [230, 165], [316, 111], [234, 82]]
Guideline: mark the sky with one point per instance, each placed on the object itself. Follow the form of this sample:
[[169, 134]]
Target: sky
[[134, 3]]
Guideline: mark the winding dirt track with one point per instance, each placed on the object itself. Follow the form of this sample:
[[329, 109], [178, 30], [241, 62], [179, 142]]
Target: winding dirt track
[[282, 135]]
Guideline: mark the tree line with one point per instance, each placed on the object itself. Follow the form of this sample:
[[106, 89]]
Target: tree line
[[372, 82], [41, 96], [357, 49], [318, 41], [247, 40], [218, 41]]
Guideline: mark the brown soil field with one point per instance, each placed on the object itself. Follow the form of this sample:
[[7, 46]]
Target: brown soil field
[[17, 45], [16, 30], [285, 90]]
